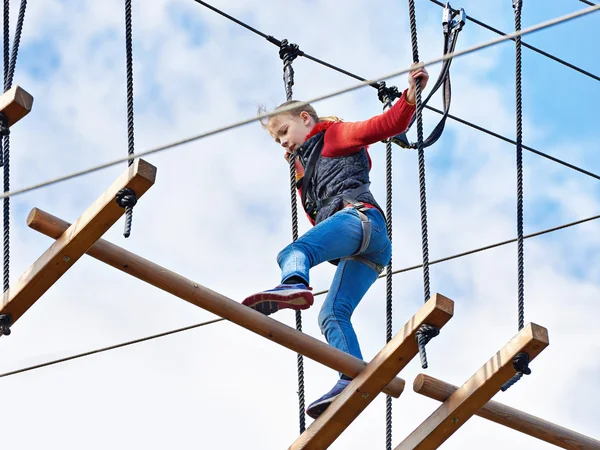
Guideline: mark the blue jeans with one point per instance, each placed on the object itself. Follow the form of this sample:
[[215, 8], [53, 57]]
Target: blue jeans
[[337, 237]]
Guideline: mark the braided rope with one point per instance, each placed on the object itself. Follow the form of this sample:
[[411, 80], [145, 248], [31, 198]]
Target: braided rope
[[426, 332], [10, 62], [519, 138], [521, 361], [289, 52], [388, 274], [130, 121]]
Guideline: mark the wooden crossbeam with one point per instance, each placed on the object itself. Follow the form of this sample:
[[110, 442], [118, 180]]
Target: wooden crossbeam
[[511, 417], [361, 391], [74, 241], [213, 302], [476, 392], [15, 104]]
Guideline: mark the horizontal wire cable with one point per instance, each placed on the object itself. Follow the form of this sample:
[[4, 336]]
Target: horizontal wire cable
[[258, 117], [512, 141], [529, 46], [477, 127], [588, 2], [105, 349], [396, 272]]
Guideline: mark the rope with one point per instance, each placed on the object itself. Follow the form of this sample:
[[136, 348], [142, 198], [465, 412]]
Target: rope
[[288, 52], [425, 332], [407, 269], [258, 117], [387, 95], [10, 62], [520, 362], [6, 156], [530, 47], [130, 122]]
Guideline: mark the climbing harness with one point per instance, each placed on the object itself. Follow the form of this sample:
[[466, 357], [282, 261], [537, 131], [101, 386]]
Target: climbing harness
[[453, 22], [312, 206], [521, 360]]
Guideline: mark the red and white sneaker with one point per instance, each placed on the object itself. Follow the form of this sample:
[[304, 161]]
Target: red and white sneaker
[[291, 296]]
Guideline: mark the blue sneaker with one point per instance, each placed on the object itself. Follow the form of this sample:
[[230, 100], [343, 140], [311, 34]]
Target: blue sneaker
[[292, 296], [316, 408]]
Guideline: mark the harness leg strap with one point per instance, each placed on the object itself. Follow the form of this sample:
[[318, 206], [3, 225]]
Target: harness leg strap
[[376, 267], [366, 228]]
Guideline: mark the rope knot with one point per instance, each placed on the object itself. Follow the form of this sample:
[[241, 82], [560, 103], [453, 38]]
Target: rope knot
[[521, 365], [387, 94], [5, 323], [288, 52], [126, 198], [4, 125], [424, 334]]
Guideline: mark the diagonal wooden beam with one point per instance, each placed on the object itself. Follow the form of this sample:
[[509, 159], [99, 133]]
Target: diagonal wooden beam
[[74, 242], [213, 302], [511, 417], [476, 392], [15, 104], [361, 391]]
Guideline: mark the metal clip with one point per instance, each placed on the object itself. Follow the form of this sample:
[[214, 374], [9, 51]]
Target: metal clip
[[446, 17], [459, 23]]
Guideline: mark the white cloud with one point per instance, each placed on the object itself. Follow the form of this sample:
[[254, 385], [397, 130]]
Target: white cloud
[[219, 213]]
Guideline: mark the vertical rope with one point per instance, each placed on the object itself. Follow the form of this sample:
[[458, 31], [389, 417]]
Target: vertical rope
[[10, 62], [130, 122], [425, 332], [519, 138], [6, 155], [421, 153], [521, 361], [388, 278], [387, 95], [288, 52]]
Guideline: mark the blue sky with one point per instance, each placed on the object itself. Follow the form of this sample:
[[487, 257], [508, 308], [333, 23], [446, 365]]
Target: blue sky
[[219, 214]]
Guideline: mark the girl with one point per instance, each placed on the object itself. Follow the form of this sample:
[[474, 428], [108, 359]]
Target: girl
[[332, 177]]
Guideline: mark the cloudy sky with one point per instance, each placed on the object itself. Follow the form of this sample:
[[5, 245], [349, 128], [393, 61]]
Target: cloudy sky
[[219, 213]]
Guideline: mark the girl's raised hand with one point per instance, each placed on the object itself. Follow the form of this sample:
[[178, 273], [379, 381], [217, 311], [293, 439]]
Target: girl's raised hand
[[412, 84]]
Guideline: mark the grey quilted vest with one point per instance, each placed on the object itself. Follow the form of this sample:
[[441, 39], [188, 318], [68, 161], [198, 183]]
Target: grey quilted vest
[[326, 179]]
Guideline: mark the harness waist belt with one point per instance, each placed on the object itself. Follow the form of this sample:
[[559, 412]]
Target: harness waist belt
[[362, 189]]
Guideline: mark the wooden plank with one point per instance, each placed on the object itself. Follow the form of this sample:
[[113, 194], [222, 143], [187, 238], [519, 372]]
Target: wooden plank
[[75, 240], [214, 302], [511, 417], [15, 103], [361, 391], [477, 391]]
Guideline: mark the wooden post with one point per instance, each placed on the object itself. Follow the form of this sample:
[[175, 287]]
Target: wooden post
[[74, 241], [380, 371], [213, 302], [477, 391], [511, 417], [15, 104]]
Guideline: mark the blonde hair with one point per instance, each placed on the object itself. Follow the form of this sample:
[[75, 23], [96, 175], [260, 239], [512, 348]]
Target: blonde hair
[[295, 112]]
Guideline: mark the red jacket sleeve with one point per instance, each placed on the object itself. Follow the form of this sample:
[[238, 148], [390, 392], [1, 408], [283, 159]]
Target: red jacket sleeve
[[345, 138]]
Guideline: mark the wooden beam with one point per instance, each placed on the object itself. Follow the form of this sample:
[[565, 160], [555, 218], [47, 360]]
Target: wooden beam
[[15, 104], [511, 417], [214, 302], [75, 240], [379, 372], [477, 391]]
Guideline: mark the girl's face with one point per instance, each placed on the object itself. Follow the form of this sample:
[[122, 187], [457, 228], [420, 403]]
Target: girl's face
[[290, 131]]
